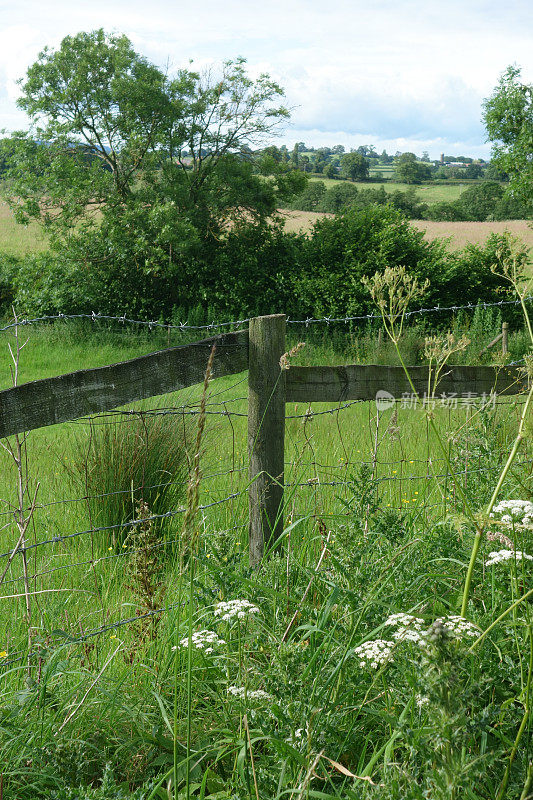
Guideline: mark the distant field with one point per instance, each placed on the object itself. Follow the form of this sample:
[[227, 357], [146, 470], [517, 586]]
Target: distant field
[[19, 240], [475, 232], [427, 192], [461, 233]]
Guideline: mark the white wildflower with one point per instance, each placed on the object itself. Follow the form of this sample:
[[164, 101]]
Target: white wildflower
[[457, 626], [519, 512], [202, 640], [408, 635], [497, 556], [235, 608], [257, 694], [374, 653], [404, 620], [422, 701], [408, 628]]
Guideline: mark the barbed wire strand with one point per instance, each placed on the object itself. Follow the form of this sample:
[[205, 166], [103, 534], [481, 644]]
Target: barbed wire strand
[[151, 324]]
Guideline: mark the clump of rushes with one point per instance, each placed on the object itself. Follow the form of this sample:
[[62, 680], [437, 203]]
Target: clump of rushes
[[133, 462]]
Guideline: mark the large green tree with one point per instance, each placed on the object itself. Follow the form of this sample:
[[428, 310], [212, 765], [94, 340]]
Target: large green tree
[[122, 155], [354, 166], [508, 117], [408, 169]]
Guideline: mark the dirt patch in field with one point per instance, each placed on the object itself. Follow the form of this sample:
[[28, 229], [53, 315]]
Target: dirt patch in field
[[297, 221]]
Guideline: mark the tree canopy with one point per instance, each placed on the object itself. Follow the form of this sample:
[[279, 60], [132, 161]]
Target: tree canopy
[[508, 117], [409, 170], [176, 150], [354, 166]]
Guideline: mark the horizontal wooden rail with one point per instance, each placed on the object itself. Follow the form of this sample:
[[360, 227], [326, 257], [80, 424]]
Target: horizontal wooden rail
[[335, 384], [92, 391]]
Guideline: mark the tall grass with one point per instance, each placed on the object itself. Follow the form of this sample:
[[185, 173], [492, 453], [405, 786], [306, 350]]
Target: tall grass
[[282, 703], [137, 462]]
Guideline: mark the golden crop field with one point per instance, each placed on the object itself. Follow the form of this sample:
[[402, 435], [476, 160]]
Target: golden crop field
[[460, 233]]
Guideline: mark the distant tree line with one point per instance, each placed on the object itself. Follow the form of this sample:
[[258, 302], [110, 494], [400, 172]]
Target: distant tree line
[[159, 195], [482, 201], [364, 163]]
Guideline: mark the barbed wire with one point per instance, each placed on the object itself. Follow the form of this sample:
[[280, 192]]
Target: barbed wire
[[151, 324], [92, 562], [96, 317], [118, 525], [468, 306]]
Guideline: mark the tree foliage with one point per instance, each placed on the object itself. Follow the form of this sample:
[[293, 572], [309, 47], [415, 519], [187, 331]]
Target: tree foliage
[[354, 166], [409, 170], [508, 117], [119, 147]]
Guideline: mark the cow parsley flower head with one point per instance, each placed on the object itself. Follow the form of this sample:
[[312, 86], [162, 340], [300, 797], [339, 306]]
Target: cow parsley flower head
[[408, 628], [374, 653], [235, 608], [519, 512], [457, 627], [256, 694], [202, 640], [497, 556]]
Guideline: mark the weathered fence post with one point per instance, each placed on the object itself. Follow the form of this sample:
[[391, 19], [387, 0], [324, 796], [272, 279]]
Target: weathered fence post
[[266, 431], [505, 338]]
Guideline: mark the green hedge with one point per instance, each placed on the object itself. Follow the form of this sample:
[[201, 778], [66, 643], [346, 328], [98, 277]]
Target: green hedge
[[254, 270]]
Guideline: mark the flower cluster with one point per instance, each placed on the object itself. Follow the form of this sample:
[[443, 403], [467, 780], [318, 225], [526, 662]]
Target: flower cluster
[[504, 555], [257, 694], [518, 511], [374, 653], [411, 629], [235, 608], [408, 628], [203, 640], [457, 626]]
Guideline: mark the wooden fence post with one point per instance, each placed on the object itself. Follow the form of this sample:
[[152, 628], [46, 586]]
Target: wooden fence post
[[266, 431], [505, 338]]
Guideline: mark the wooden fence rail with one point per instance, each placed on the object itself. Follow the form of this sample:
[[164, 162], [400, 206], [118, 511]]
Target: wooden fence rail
[[67, 397]]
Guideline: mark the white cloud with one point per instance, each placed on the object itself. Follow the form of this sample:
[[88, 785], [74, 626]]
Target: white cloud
[[386, 71]]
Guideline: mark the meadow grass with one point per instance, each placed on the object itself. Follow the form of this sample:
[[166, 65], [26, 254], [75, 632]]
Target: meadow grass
[[428, 192], [284, 690]]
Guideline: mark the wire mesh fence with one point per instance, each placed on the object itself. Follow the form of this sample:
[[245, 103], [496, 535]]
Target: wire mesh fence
[[343, 462]]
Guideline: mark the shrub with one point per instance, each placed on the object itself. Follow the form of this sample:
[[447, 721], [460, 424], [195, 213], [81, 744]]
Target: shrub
[[445, 212], [8, 268], [338, 197], [408, 203], [311, 198], [356, 243]]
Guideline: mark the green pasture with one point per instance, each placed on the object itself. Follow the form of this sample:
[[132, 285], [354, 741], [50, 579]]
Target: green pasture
[[428, 192], [19, 240]]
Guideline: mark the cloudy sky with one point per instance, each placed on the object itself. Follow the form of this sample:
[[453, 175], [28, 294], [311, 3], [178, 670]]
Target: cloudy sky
[[398, 74]]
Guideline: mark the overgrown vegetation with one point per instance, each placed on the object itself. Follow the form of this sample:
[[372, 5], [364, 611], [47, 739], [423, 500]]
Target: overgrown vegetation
[[293, 696], [385, 650], [258, 271]]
